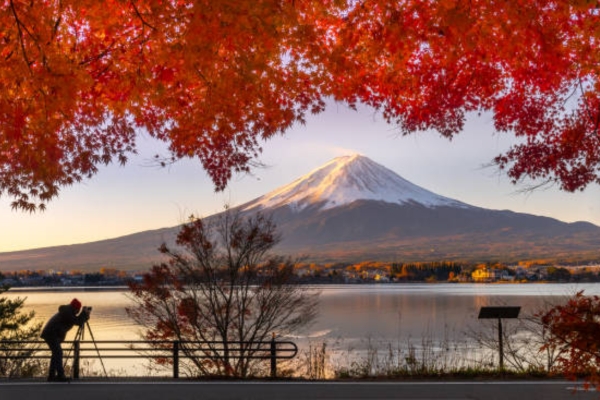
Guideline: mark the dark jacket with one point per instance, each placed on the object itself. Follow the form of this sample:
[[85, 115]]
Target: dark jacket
[[58, 326]]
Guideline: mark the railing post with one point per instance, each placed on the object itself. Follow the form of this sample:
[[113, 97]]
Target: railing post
[[76, 360], [273, 357], [176, 359], [500, 344]]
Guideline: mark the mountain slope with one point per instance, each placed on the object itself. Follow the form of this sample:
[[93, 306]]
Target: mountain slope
[[384, 231], [353, 209]]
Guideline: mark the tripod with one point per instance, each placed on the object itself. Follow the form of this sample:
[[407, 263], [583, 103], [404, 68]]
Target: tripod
[[79, 336]]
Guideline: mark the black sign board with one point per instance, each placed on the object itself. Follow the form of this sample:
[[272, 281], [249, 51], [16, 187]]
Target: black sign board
[[499, 312]]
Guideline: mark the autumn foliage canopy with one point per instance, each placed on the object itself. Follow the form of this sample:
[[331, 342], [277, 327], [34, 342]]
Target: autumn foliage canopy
[[79, 79]]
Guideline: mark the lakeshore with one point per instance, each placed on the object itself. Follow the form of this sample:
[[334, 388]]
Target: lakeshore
[[371, 326]]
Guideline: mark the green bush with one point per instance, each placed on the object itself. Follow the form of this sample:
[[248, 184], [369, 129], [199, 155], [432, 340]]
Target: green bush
[[17, 326]]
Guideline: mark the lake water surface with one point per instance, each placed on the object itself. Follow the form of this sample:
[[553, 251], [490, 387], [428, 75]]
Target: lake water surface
[[349, 315]]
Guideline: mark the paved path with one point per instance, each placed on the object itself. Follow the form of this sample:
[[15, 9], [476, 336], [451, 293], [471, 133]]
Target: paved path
[[183, 390]]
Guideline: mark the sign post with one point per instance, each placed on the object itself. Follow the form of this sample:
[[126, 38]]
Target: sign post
[[499, 313]]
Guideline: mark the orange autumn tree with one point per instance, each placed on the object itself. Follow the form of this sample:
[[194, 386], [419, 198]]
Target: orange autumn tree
[[573, 329], [79, 79]]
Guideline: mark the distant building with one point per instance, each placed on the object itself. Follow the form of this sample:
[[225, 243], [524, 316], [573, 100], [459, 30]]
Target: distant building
[[381, 278], [490, 275]]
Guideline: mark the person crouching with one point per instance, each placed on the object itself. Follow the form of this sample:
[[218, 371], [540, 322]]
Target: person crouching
[[54, 334]]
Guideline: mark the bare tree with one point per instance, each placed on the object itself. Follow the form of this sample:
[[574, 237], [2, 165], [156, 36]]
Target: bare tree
[[222, 286]]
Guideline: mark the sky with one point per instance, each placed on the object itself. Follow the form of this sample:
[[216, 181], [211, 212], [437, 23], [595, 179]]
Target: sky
[[140, 196]]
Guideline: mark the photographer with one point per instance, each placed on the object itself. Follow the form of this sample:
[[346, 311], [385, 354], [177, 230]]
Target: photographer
[[54, 334]]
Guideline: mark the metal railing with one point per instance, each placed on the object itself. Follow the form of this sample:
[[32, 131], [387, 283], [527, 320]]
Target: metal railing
[[175, 351]]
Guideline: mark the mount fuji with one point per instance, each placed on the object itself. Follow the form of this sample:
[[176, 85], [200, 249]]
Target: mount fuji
[[345, 180], [353, 209]]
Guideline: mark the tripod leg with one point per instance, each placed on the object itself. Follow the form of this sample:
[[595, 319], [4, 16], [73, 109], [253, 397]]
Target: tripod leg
[[97, 350], [78, 338]]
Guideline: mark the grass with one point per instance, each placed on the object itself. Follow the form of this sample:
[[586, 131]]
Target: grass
[[422, 358]]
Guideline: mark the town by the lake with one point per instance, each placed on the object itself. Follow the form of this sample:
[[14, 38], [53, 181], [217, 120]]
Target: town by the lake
[[340, 273]]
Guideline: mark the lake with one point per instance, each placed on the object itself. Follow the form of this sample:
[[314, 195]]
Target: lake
[[351, 317]]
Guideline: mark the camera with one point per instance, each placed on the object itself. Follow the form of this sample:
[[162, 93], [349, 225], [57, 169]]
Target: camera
[[87, 310]]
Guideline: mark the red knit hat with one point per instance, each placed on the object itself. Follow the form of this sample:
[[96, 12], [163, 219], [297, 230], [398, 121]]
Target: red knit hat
[[76, 304]]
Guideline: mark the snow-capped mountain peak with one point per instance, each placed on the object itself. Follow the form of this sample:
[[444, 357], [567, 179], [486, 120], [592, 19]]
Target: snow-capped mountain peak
[[347, 179]]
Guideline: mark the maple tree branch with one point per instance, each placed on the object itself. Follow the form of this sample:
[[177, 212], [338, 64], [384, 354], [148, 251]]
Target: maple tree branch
[[531, 188], [202, 76], [595, 121], [21, 39], [99, 56], [144, 22], [575, 88], [58, 20], [568, 344]]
